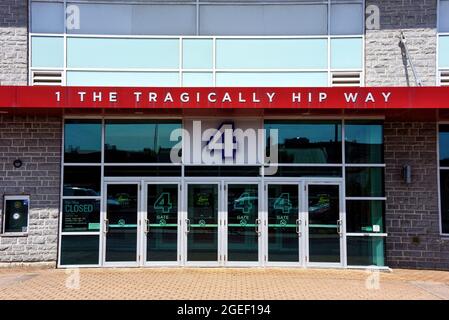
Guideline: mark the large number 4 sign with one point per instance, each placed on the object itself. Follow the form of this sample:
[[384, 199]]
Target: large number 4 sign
[[163, 203], [283, 203]]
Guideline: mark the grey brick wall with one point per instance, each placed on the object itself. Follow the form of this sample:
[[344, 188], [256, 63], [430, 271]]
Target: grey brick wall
[[13, 42], [412, 216], [36, 140], [385, 63]]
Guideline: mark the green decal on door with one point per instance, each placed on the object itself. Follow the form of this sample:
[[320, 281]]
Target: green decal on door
[[283, 203], [163, 203]]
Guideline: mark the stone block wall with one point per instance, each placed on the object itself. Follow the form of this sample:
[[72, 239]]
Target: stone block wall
[[384, 56], [13, 42], [36, 140]]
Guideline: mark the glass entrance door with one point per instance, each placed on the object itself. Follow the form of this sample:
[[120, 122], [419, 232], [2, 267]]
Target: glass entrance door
[[161, 241], [202, 223], [284, 224], [121, 224], [243, 226], [325, 233]]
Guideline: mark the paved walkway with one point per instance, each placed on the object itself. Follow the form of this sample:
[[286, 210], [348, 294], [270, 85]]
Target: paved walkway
[[222, 284]]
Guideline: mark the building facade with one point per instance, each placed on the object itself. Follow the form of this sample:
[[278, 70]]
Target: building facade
[[94, 181]]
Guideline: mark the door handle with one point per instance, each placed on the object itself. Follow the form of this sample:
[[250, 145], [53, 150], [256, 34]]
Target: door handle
[[257, 227], [298, 224], [106, 225], [188, 225], [147, 226], [339, 223]]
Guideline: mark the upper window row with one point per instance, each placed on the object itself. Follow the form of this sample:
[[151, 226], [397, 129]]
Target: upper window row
[[149, 141], [225, 18], [443, 19]]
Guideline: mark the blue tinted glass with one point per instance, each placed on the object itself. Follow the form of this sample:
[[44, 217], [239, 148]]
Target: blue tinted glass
[[271, 53], [197, 54], [78, 250], [366, 251], [364, 142], [122, 53], [139, 141], [82, 141], [346, 53], [313, 142], [123, 79], [272, 79], [365, 216], [197, 79], [443, 52], [364, 182], [444, 145], [47, 52]]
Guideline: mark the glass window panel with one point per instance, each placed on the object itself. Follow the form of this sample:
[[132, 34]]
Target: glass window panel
[[263, 19], [139, 141], [312, 142], [347, 18], [202, 213], [197, 53], [142, 171], [366, 251], [271, 53], [82, 141], [283, 214], [123, 79], [47, 52], [365, 216], [444, 145], [364, 142], [272, 79], [122, 53], [15, 215], [47, 17], [80, 215], [444, 17], [197, 79], [162, 209], [364, 182], [222, 171], [243, 208], [79, 250], [443, 52], [137, 19], [82, 181], [346, 53], [290, 171], [444, 190]]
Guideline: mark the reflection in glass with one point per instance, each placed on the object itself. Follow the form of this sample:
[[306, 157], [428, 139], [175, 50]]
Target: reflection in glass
[[364, 216], [243, 209], [444, 187], [364, 182], [139, 141], [364, 142], [162, 236], [80, 215], [121, 212], [79, 250], [82, 181], [324, 215], [366, 251], [282, 223], [444, 145], [202, 211], [311, 142], [82, 141]]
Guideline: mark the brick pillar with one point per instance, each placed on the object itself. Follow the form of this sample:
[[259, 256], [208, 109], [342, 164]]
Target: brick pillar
[[36, 140], [412, 216]]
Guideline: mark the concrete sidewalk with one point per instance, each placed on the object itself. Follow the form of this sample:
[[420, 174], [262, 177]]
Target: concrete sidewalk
[[221, 284]]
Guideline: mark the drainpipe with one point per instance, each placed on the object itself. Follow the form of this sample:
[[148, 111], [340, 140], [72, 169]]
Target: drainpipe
[[403, 42]]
